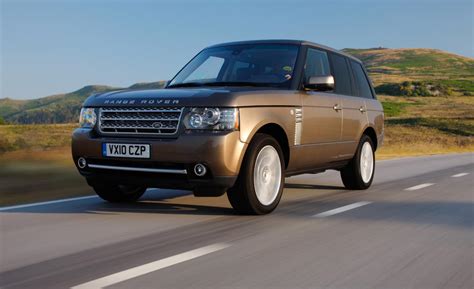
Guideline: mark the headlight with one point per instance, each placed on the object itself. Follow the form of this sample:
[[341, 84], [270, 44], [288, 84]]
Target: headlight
[[212, 119], [87, 118]]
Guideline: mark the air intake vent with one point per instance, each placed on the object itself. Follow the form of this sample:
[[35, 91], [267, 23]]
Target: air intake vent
[[157, 121], [298, 125]]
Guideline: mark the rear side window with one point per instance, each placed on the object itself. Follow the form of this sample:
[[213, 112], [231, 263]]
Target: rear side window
[[317, 64], [342, 77], [361, 80]]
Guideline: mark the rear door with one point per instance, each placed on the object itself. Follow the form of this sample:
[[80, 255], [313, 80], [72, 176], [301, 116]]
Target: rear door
[[374, 111], [353, 113]]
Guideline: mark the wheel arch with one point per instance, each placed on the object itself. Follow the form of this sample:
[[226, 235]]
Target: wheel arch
[[370, 132], [277, 132]]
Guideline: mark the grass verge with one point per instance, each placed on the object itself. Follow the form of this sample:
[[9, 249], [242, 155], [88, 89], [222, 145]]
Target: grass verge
[[34, 181]]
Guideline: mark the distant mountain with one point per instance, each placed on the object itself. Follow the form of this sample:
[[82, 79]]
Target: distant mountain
[[405, 72], [60, 108]]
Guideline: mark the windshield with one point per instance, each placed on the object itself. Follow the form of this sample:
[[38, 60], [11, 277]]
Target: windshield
[[240, 65]]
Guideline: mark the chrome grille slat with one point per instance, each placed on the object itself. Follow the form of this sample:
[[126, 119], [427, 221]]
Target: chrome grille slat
[[140, 121], [134, 127], [139, 110], [149, 119]]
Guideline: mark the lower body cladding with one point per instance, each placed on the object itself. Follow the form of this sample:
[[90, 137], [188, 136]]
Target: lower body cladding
[[208, 164]]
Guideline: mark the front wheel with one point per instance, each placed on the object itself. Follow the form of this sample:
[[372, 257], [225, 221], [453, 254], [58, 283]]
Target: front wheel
[[119, 193], [259, 187], [359, 173]]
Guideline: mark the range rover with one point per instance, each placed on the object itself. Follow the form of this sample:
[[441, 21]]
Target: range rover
[[237, 119]]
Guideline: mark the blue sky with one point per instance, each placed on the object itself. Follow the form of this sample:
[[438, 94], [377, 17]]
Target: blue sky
[[50, 47]]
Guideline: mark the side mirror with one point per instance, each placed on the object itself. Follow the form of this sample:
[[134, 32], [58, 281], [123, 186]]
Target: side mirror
[[320, 83]]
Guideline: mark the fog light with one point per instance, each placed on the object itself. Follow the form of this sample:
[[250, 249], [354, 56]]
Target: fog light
[[81, 163], [200, 170]]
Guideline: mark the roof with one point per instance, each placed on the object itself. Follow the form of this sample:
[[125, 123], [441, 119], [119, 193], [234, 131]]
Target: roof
[[285, 41]]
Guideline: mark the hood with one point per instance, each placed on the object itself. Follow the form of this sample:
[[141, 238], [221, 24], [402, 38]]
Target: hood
[[216, 96]]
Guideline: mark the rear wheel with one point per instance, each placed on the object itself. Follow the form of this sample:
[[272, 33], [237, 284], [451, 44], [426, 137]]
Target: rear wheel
[[359, 173], [119, 193], [259, 187]]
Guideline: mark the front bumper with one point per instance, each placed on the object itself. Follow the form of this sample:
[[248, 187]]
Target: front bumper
[[171, 163]]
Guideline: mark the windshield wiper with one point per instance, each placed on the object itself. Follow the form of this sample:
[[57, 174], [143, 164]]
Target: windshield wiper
[[237, 83], [222, 83], [187, 84]]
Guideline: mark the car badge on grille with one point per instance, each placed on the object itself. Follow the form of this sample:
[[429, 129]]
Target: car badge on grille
[[157, 125]]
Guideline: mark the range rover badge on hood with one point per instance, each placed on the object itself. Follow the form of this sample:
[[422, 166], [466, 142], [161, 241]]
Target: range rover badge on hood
[[141, 101]]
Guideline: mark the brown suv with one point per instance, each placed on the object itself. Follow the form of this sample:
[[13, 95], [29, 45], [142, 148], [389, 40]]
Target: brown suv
[[238, 118]]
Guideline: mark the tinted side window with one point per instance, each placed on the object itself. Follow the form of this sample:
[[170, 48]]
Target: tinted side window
[[317, 64], [361, 80], [342, 77]]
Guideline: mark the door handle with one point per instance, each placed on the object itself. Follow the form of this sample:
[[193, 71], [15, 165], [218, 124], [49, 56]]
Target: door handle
[[337, 107], [362, 109]]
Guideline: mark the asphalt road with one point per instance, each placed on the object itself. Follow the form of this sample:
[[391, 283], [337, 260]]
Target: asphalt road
[[412, 229]]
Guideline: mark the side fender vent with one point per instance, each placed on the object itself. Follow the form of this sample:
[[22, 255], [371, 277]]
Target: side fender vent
[[298, 125]]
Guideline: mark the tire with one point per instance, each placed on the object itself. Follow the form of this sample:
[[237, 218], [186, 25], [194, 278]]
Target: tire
[[359, 173], [119, 193], [259, 186]]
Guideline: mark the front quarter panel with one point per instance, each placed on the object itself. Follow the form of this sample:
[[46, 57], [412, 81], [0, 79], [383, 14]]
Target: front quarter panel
[[254, 118]]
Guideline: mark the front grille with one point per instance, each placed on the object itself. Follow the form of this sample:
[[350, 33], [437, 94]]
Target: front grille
[[146, 121]]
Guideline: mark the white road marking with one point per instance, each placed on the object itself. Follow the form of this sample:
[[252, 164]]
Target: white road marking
[[341, 209], [459, 175], [45, 203], [150, 267], [419, 187]]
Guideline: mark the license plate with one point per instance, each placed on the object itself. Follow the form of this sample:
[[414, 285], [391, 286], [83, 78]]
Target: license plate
[[138, 151]]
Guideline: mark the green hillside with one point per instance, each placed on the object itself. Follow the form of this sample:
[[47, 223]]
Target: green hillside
[[61, 108], [10, 106], [417, 72]]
